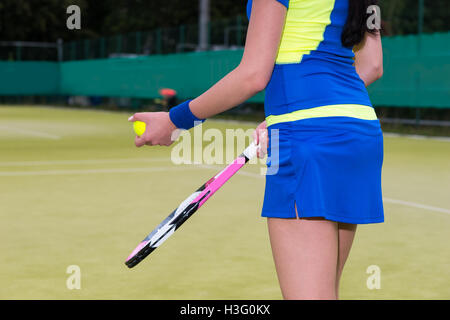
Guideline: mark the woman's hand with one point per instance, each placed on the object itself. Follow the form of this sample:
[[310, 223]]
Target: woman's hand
[[261, 139], [159, 129]]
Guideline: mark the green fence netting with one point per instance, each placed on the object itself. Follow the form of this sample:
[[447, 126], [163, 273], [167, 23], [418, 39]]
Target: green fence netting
[[416, 74]]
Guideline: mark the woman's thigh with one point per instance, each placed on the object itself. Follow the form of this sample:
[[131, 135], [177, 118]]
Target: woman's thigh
[[346, 233], [305, 252]]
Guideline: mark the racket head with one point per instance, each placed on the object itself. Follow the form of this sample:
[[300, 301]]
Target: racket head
[[163, 231], [186, 209], [139, 253]]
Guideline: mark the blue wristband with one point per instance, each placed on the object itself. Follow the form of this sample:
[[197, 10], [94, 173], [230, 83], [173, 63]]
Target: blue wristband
[[182, 117]]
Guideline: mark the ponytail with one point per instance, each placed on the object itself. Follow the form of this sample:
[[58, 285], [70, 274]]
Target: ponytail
[[356, 25]]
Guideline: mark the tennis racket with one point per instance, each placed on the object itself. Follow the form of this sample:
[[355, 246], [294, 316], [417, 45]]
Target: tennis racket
[[187, 208]]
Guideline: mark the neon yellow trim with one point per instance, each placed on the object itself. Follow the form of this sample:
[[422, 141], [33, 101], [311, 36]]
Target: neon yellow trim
[[306, 21], [339, 110]]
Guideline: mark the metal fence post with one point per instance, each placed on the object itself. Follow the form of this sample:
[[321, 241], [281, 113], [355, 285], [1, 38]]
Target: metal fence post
[[203, 25], [102, 47], [138, 42], [158, 41], [86, 49], [420, 14], [420, 22], [73, 50], [119, 43], [182, 36], [238, 30], [18, 51], [60, 49]]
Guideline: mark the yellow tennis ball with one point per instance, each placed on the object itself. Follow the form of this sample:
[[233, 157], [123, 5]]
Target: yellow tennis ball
[[139, 127]]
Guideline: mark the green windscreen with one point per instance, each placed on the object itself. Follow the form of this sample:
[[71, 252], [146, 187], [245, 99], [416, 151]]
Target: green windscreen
[[416, 74], [29, 78]]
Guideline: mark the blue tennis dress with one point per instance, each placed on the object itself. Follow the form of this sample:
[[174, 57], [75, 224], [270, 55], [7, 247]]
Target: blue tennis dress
[[325, 142]]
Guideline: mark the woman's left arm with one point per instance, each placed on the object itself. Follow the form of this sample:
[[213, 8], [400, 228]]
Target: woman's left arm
[[369, 58], [248, 78]]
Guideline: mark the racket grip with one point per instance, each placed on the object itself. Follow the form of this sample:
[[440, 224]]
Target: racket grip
[[250, 151]]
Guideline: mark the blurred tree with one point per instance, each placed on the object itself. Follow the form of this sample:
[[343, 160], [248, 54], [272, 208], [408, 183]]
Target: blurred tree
[[401, 16], [437, 15], [38, 20], [135, 15], [45, 20]]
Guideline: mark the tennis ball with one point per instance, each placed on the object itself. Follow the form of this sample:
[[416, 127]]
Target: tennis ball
[[139, 127]]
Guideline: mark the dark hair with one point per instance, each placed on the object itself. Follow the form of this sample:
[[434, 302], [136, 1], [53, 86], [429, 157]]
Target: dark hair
[[356, 24]]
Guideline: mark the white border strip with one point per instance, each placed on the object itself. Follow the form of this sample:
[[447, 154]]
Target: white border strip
[[32, 133], [385, 199], [171, 168], [416, 205], [85, 171], [79, 162], [415, 136]]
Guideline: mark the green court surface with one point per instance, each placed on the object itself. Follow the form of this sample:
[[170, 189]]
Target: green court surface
[[74, 190]]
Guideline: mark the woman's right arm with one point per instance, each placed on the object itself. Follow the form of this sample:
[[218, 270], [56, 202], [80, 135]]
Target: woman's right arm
[[369, 58], [255, 69]]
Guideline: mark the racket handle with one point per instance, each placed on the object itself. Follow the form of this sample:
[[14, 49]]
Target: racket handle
[[250, 151]]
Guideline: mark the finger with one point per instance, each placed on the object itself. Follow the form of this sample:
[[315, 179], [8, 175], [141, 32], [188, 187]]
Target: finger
[[139, 141], [168, 142], [264, 142], [132, 118], [164, 142], [175, 135], [255, 136], [136, 117], [262, 154]]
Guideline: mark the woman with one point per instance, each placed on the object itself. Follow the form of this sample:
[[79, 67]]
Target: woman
[[329, 139]]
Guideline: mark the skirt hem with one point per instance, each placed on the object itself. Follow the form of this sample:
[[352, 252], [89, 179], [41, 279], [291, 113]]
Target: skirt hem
[[327, 216]]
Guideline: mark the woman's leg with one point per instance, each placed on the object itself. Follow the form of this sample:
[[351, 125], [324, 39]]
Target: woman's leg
[[346, 232], [305, 252]]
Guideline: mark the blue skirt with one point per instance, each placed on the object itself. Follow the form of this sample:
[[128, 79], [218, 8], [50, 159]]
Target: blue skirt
[[325, 167]]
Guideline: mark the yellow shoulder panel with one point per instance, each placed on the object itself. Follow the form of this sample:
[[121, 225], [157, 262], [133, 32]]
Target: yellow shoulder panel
[[305, 25]]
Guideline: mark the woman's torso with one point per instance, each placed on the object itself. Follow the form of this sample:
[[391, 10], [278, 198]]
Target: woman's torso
[[314, 75]]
